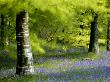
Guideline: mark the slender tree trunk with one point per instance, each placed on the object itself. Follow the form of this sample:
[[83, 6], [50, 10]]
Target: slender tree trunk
[[4, 27], [24, 54], [93, 46], [108, 35]]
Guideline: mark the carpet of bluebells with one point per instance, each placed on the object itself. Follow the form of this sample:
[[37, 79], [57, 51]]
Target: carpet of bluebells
[[64, 69]]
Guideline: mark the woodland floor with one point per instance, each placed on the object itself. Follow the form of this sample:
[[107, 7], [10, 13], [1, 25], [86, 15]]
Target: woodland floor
[[62, 68]]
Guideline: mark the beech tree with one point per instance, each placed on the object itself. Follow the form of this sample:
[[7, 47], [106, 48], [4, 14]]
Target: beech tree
[[108, 35], [108, 25], [93, 46], [24, 54], [4, 29]]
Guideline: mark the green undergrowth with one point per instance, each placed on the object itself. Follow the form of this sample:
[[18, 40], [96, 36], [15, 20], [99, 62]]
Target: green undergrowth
[[42, 78], [50, 78], [8, 57], [76, 55], [51, 63], [30, 78]]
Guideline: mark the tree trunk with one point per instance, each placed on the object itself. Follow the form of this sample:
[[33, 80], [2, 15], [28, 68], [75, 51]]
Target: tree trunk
[[108, 35], [4, 27], [24, 54], [93, 46]]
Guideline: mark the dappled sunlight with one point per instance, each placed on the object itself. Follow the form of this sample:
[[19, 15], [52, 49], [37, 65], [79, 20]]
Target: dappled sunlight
[[54, 41]]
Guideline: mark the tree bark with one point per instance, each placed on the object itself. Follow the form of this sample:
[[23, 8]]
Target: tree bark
[[93, 46], [24, 54], [108, 35], [4, 27]]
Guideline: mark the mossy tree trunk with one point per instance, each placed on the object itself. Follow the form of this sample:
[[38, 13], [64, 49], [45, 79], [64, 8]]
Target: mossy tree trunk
[[24, 54], [108, 34], [93, 45], [4, 30]]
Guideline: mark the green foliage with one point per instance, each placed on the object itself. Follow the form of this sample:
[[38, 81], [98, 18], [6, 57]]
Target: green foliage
[[62, 21], [58, 22], [36, 46]]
